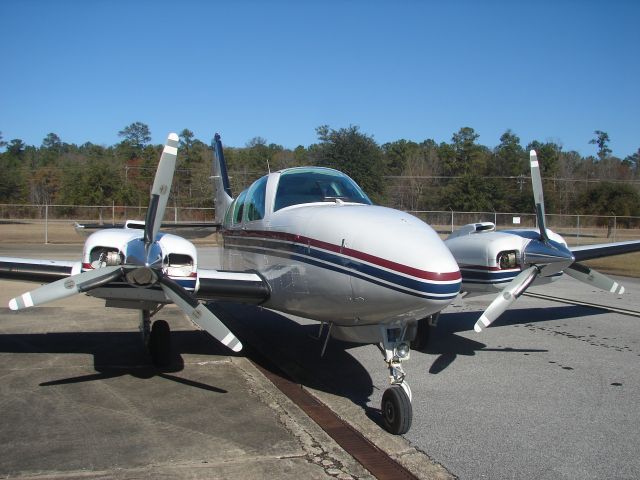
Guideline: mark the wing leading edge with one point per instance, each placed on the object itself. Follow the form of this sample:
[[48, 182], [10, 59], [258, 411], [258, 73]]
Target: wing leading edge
[[590, 252], [36, 270]]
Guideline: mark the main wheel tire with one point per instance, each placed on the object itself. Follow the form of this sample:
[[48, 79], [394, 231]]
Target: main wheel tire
[[422, 335], [160, 343], [396, 410]]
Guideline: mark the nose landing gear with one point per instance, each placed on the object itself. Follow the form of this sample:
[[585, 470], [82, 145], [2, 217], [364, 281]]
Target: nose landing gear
[[396, 409]]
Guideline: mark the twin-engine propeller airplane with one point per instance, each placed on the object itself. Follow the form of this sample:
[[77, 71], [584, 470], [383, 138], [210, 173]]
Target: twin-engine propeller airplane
[[304, 241], [513, 260]]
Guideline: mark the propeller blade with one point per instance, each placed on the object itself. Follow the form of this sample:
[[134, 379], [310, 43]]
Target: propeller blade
[[591, 277], [161, 188], [505, 299], [199, 314], [66, 287], [538, 195]]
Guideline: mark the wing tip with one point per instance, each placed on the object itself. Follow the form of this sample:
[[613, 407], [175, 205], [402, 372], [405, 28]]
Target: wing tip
[[13, 304]]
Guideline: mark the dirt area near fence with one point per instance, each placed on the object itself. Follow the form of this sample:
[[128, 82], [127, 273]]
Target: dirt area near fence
[[58, 232], [626, 265], [64, 233], [35, 233]]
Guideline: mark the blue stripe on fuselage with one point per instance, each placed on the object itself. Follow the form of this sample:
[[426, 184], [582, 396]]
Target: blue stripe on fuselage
[[347, 265], [487, 276], [492, 277]]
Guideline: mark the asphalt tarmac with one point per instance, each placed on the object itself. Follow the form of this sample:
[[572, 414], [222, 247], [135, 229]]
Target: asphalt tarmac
[[549, 391]]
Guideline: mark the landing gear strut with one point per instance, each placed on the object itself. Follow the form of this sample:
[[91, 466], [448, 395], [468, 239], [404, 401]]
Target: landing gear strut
[[156, 338], [396, 400]]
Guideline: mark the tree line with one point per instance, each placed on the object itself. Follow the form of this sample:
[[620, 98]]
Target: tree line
[[462, 175]]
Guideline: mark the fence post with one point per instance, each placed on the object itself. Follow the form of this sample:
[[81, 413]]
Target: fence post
[[113, 212], [451, 219], [578, 234], [615, 227], [175, 214], [46, 223]]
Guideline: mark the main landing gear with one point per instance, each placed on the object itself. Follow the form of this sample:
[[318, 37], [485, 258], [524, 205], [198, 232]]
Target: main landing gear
[[156, 338], [423, 331], [397, 413]]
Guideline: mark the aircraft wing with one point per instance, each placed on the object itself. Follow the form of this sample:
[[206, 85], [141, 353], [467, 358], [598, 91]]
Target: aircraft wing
[[589, 252], [185, 230], [36, 270], [243, 287]]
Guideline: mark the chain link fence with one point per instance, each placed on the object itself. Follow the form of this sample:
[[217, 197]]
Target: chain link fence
[[54, 223], [576, 229]]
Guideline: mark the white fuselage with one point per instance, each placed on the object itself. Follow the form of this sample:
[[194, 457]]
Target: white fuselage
[[346, 263]]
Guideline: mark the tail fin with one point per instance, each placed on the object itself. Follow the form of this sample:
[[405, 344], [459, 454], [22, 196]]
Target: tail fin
[[222, 196]]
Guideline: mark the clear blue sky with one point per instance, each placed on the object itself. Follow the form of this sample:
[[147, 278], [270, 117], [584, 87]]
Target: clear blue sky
[[548, 70]]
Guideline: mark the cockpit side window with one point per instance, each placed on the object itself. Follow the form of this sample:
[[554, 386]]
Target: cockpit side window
[[239, 208], [311, 185], [255, 202]]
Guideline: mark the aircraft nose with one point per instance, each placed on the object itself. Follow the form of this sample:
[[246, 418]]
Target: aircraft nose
[[403, 262]]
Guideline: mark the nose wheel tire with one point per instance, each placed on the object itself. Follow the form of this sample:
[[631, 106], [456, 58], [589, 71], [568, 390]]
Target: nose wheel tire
[[396, 410], [160, 343]]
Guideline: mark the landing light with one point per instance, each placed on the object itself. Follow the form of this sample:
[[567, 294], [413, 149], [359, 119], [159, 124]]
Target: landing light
[[402, 351]]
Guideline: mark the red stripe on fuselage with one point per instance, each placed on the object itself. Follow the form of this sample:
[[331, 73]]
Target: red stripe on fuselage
[[365, 257]]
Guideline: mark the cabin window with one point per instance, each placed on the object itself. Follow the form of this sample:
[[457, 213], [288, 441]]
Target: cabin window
[[255, 202], [228, 214], [311, 185]]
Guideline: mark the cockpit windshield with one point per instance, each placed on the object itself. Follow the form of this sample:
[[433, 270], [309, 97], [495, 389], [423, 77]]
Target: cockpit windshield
[[316, 184]]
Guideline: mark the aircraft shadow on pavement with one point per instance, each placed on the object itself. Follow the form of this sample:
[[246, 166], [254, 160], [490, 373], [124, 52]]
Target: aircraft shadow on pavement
[[445, 342], [274, 341], [116, 353], [294, 348]]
